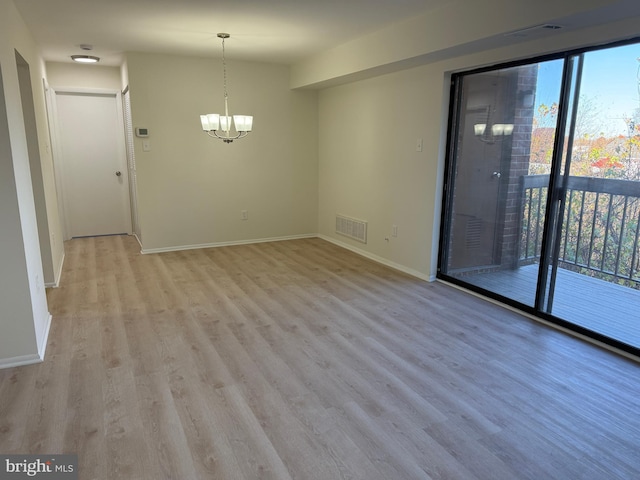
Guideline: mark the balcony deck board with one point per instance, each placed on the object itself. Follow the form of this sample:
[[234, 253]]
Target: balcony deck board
[[604, 307]]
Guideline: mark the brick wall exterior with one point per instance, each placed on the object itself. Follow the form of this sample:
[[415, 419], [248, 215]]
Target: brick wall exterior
[[517, 166]]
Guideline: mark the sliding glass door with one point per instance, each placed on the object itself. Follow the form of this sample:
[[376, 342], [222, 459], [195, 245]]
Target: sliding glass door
[[542, 197], [494, 156]]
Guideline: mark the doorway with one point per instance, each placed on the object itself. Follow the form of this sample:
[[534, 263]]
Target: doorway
[[92, 163], [35, 167]]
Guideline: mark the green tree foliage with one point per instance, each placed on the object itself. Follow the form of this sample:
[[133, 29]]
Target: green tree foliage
[[600, 230]]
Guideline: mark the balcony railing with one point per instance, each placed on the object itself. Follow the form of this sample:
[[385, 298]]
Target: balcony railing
[[601, 226]]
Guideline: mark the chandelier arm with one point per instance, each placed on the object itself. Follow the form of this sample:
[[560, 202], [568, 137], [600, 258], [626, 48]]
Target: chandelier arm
[[214, 134]]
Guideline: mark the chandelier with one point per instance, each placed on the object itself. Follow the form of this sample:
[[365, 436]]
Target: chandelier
[[492, 133], [489, 132], [219, 126]]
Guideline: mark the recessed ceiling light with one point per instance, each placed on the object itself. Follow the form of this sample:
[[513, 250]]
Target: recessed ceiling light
[[85, 58]]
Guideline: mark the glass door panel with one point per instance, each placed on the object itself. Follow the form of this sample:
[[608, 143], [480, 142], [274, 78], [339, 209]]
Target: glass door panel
[[597, 285], [499, 172], [560, 162]]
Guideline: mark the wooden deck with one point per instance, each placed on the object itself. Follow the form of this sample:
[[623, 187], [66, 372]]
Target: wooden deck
[[603, 307]]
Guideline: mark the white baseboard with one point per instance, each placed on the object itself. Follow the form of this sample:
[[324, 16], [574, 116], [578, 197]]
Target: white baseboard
[[20, 361], [41, 341], [135, 235], [375, 258], [381, 260], [43, 338], [225, 244], [56, 283]]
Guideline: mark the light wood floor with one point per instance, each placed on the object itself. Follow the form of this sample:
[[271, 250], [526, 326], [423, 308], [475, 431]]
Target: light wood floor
[[301, 360]]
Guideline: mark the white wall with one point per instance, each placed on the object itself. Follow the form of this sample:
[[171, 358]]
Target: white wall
[[450, 31], [368, 165], [24, 317], [191, 188], [75, 75]]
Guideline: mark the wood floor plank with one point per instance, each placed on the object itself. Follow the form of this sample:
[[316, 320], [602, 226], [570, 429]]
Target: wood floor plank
[[166, 442], [46, 421], [303, 360], [293, 386], [123, 428], [16, 390], [84, 424], [274, 415]]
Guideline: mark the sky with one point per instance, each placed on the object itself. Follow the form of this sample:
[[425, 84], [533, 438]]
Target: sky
[[610, 81], [610, 77]]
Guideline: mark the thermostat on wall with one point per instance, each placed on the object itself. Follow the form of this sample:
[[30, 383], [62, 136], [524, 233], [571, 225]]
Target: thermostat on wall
[[142, 132]]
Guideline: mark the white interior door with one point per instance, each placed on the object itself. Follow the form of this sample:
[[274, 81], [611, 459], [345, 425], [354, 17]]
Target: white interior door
[[93, 163]]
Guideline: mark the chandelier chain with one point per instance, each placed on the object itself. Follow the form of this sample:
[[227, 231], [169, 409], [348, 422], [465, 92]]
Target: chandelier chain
[[224, 71]]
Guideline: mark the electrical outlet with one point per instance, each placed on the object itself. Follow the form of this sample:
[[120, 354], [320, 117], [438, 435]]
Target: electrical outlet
[[394, 230], [244, 215]]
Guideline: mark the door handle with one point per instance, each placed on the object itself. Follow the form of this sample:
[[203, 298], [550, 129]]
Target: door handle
[[118, 173], [496, 174]]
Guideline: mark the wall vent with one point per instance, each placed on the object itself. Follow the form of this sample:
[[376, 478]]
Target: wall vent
[[352, 228], [536, 30], [474, 233]]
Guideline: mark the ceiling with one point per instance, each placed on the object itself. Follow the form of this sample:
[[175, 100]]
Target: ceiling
[[277, 31]]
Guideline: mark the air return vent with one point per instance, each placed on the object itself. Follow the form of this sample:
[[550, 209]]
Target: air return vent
[[534, 31], [352, 228], [474, 233]]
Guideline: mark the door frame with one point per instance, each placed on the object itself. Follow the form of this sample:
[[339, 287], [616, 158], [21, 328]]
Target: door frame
[[58, 154]]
